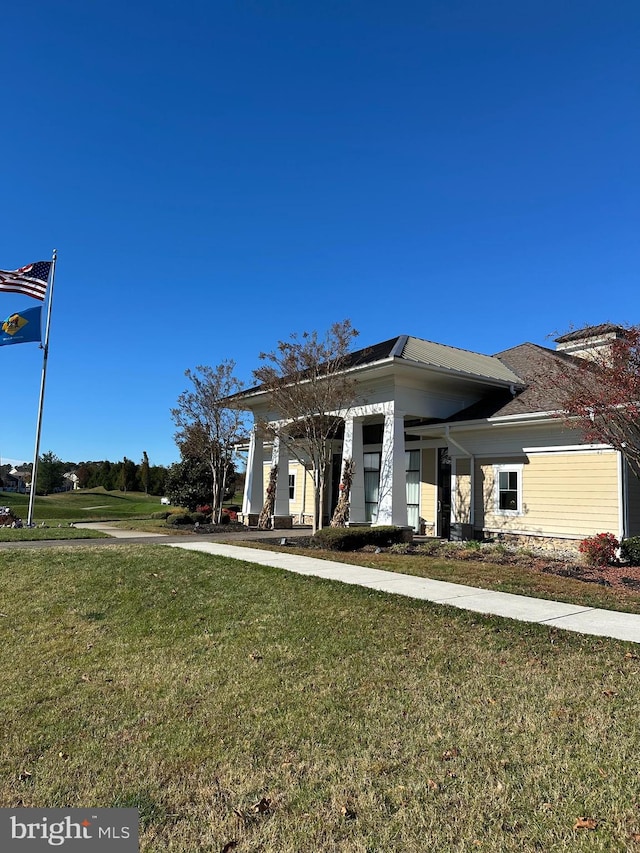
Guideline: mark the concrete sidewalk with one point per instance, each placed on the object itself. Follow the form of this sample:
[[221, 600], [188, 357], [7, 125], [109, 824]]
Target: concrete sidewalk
[[571, 617], [116, 532]]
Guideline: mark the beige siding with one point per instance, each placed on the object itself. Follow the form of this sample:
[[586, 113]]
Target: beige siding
[[298, 503], [428, 489], [572, 494], [303, 496], [462, 491]]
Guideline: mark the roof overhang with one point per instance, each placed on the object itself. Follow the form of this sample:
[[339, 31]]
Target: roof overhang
[[391, 366], [525, 419]]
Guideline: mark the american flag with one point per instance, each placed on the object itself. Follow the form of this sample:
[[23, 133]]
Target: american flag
[[30, 280]]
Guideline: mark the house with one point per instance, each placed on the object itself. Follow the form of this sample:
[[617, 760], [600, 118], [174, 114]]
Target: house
[[16, 480], [459, 445]]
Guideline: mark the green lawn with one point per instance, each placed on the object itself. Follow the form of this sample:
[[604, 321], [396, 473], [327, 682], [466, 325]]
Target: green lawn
[[40, 534], [82, 505], [522, 579], [236, 703]]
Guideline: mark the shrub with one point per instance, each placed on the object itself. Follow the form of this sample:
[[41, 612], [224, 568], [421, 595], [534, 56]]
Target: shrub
[[354, 538], [400, 548], [199, 517], [599, 550], [163, 515], [179, 518], [430, 547], [630, 550], [204, 509]]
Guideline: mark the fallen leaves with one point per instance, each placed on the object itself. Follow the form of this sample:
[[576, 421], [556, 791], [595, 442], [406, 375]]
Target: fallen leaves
[[263, 806], [585, 823], [450, 754]]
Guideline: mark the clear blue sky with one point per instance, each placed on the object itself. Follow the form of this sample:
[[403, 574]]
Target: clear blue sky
[[217, 174]]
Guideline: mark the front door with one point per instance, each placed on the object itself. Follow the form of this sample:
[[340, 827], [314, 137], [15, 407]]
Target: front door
[[444, 494]]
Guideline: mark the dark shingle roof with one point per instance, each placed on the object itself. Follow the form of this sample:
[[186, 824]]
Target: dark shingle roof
[[543, 372], [589, 332]]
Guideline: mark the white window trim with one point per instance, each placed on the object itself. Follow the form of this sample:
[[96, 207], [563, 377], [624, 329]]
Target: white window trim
[[508, 468], [295, 480]]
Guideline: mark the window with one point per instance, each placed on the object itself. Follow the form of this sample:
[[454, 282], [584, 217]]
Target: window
[[412, 466], [508, 480], [292, 486], [371, 468]]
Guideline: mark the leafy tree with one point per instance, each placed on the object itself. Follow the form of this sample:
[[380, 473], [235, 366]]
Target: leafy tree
[[157, 479], [144, 472], [128, 475], [83, 473], [311, 392], [105, 476], [50, 473], [208, 428], [188, 483]]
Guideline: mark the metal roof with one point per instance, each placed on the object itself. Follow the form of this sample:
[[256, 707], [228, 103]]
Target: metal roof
[[458, 360]]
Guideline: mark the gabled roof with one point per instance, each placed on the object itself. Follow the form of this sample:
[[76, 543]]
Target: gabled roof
[[543, 370], [458, 360], [411, 350]]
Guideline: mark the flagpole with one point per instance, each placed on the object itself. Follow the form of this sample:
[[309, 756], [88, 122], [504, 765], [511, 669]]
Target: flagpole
[[34, 469]]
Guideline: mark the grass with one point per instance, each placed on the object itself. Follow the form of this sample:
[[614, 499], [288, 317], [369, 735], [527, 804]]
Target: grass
[[240, 707], [83, 505], [521, 579], [40, 534]]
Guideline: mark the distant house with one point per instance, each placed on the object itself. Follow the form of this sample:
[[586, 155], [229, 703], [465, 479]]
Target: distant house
[[460, 445], [16, 480], [71, 481]]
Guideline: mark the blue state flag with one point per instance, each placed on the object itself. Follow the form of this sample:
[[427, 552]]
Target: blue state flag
[[22, 328]]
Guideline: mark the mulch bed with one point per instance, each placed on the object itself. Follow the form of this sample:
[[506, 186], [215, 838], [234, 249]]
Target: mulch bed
[[622, 577]]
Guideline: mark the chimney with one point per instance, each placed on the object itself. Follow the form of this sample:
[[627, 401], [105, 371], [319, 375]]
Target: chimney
[[592, 342]]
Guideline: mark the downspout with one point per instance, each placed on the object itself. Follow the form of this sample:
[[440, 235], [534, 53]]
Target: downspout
[[623, 510], [472, 473]]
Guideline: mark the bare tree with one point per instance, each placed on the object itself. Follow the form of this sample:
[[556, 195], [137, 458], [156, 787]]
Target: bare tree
[[311, 391], [603, 395], [208, 428]]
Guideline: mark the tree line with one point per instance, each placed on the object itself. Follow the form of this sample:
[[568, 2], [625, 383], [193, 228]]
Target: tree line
[[124, 475]]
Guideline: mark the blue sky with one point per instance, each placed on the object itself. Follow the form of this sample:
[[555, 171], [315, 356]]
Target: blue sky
[[216, 175]]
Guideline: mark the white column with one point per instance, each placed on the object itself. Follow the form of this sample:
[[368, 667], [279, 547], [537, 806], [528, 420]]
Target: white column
[[352, 449], [392, 500], [253, 498], [280, 457]]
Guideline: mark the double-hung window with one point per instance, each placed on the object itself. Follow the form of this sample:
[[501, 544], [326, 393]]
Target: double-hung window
[[371, 464], [412, 466], [508, 489], [292, 487]]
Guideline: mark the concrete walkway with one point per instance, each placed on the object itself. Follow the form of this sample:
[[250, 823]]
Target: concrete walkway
[[116, 532], [571, 617]]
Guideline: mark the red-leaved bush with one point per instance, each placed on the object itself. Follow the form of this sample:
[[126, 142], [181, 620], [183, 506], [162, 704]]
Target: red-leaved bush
[[600, 550]]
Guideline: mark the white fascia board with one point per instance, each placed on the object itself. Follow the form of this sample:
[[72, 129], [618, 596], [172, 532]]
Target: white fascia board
[[397, 361], [569, 448], [505, 420]]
